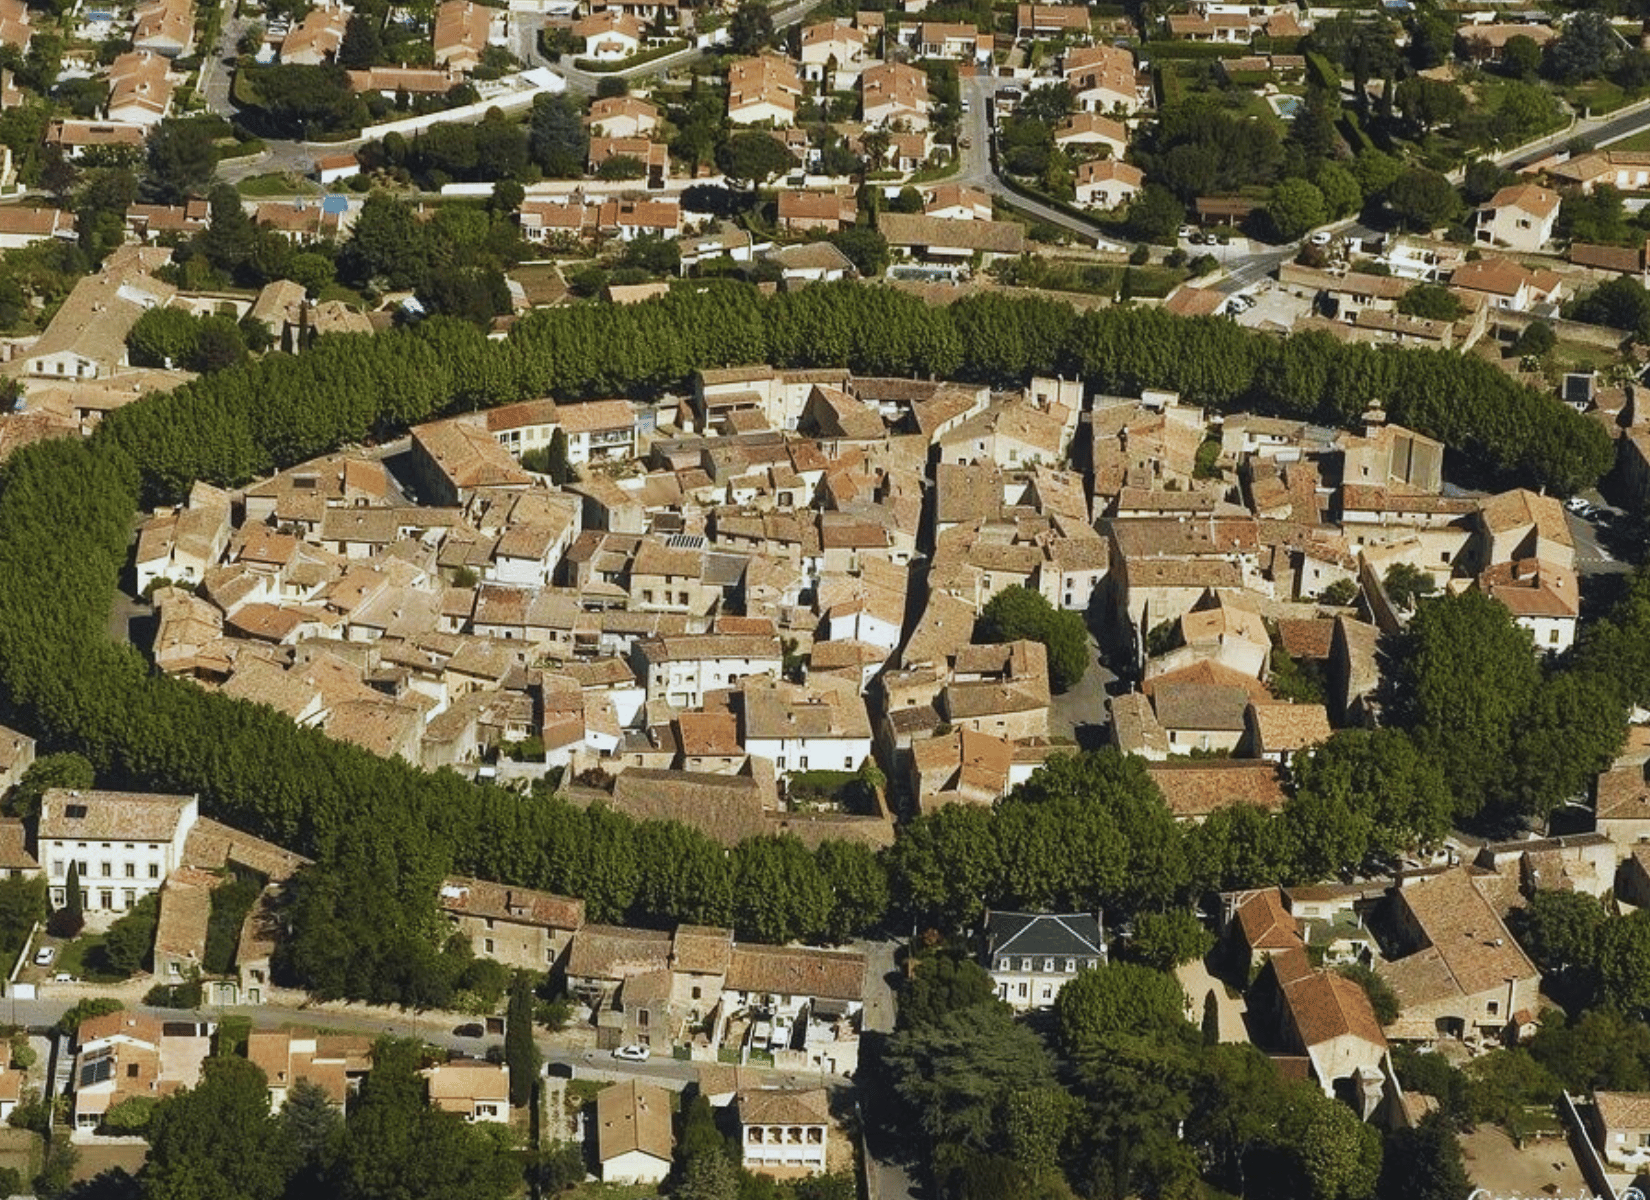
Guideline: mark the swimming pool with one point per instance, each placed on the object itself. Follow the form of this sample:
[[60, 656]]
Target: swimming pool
[[1285, 106]]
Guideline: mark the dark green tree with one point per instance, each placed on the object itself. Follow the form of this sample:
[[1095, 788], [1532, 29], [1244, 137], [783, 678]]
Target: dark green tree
[[1432, 301], [1164, 941], [228, 237], [182, 159], [69, 919], [557, 138], [521, 1052], [1423, 1163], [943, 983], [1119, 1000], [751, 28], [1464, 678], [1017, 613], [127, 946], [753, 157], [68, 771], [362, 47], [218, 1138]]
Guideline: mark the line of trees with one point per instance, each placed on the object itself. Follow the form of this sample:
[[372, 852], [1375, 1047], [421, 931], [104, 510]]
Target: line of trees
[[363, 921]]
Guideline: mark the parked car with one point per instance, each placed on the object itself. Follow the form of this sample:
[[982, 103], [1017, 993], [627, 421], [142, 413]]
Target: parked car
[[1322, 238], [1576, 504], [633, 1053], [1186, 231], [43, 957], [63, 977], [558, 1070], [472, 1030]]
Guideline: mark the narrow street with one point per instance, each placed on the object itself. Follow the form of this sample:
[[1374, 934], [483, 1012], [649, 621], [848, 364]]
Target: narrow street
[[975, 169]]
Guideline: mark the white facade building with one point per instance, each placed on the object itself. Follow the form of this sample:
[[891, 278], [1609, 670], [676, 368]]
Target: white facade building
[[125, 844]]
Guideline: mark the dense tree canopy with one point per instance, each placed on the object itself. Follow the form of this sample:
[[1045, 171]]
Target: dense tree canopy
[[1090, 831]]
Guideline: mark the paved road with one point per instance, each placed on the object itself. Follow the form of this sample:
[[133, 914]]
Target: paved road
[[976, 166], [588, 1063]]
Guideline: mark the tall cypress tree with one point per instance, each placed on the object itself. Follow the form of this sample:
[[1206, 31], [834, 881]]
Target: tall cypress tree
[[71, 918], [521, 1053]]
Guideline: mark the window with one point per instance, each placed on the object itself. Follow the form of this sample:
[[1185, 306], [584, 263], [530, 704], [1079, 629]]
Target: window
[[1093, 963], [1552, 636], [642, 1018], [108, 870], [1071, 965], [1048, 964], [696, 992], [1005, 964], [487, 945], [1025, 991], [154, 870], [131, 1070], [131, 870], [1025, 964], [1493, 1007]]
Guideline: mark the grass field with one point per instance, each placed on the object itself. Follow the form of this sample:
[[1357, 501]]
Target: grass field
[[72, 960]]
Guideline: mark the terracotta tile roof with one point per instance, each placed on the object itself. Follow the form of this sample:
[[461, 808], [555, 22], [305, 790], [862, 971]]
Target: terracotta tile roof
[[467, 896], [1265, 924], [1307, 639], [1623, 1111], [633, 1117], [916, 229], [1290, 726], [784, 1106], [1469, 949], [1326, 1005], [797, 971], [111, 816], [1527, 197], [1197, 788], [612, 952]]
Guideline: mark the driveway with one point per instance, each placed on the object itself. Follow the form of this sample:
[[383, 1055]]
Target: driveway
[[1543, 1168], [1197, 983]]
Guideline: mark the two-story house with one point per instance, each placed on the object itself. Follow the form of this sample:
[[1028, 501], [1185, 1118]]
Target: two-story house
[[1031, 956]]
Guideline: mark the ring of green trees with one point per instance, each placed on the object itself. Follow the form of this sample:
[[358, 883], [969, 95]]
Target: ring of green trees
[[363, 920]]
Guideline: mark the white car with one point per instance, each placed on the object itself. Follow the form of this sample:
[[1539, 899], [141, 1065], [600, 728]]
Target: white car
[[43, 956], [1321, 238], [1186, 231], [633, 1053], [1577, 505]]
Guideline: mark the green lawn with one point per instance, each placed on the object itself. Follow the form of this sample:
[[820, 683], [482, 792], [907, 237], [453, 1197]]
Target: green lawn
[[277, 184], [72, 960]]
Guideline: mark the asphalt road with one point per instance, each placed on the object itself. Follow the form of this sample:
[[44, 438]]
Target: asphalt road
[[587, 1064], [975, 168]]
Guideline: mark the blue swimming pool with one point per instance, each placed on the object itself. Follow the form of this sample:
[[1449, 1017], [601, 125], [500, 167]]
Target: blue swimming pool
[[1285, 106]]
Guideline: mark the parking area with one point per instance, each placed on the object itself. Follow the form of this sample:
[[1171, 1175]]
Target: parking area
[[1272, 307]]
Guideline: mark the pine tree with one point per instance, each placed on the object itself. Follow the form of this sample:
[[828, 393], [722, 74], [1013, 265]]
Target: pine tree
[[1211, 1019]]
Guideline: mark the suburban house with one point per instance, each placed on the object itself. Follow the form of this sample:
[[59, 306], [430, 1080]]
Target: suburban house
[[783, 1132], [462, 30], [123, 1055], [1090, 131], [1104, 79], [331, 1062], [1108, 182], [124, 844], [763, 90], [1031, 956], [1507, 285], [315, 40], [610, 35], [833, 52], [1520, 217], [476, 1091], [621, 117], [633, 1135], [894, 92]]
